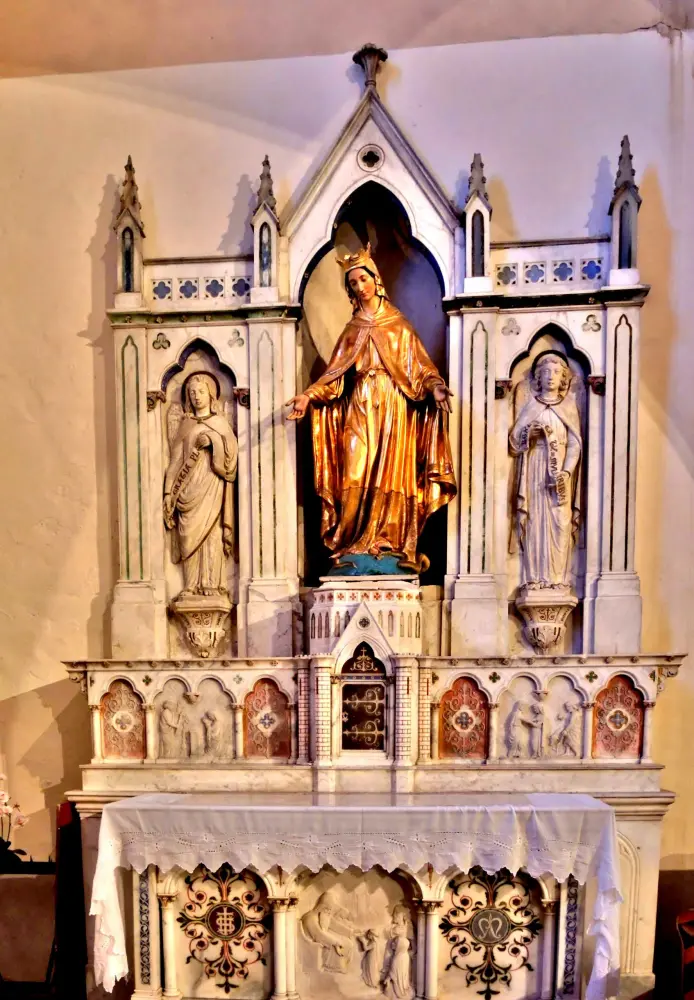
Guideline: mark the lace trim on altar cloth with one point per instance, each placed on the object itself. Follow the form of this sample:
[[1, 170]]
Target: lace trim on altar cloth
[[542, 841]]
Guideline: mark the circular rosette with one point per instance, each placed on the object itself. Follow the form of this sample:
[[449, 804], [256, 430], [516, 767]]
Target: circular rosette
[[225, 921], [464, 721], [618, 720], [266, 721], [122, 721], [490, 926]]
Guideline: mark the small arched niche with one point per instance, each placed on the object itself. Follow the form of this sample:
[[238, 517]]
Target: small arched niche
[[122, 722], [412, 279], [198, 357], [213, 721], [172, 711], [548, 338], [618, 719], [464, 721], [267, 721], [564, 718], [363, 700], [521, 718]]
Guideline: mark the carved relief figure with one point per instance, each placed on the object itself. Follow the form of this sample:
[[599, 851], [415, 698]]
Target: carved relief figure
[[547, 443], [172, 726], [524, 729], [198, 502], [565, 738], [213, 734], [382, 460], [330, 926], [372, 959], [398, 978]]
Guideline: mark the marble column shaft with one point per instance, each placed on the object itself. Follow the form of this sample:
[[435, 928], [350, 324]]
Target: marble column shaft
[[97, 742], [279, 939], [168, 922], [431, 976]]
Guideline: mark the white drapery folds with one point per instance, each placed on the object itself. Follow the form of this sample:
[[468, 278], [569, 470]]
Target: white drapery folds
[[545, 834]]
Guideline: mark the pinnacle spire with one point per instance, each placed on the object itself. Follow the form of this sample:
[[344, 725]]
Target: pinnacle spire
[[477, 186], [625, 179], [265, 192], [370, 57], [129, 200]]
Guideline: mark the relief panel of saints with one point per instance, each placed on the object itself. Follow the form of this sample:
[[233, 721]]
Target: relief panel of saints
[[330, 926], [198, 500], [382, 459], [397, 982], [547, 444]]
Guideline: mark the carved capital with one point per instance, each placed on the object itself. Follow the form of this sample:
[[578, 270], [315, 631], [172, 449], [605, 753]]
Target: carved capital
[[430, 905], [155, 396], [242, 395], [597, 384], [501, 387], [549, 906], [279, 904], [78, 676]]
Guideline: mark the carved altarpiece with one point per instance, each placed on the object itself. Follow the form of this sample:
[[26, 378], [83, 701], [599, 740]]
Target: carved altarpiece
[[470, 676]]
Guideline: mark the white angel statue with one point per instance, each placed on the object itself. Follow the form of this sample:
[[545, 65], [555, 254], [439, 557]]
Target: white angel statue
[[547, 444], [198, 500]]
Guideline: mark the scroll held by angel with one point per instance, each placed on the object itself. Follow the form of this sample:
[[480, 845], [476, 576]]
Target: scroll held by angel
[[547, 444], [198, 500], [382, 459]]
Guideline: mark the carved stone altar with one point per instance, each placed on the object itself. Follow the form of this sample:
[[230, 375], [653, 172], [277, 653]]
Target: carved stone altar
[[239, 662]]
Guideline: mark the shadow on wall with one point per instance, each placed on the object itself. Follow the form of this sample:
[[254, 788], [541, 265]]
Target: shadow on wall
[[503, 226], [238, 238], [598, 221], [102, 252], [658, 336], [58, 716]]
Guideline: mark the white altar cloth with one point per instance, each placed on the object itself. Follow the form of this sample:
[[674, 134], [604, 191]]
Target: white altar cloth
[[546, 834]]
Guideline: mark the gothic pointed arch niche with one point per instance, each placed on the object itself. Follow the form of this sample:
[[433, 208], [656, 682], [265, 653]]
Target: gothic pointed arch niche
[[558, 627], [218, 566], [371, 213]]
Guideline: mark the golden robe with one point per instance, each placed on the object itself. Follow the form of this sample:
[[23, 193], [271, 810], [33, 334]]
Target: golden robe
[[382, 460]]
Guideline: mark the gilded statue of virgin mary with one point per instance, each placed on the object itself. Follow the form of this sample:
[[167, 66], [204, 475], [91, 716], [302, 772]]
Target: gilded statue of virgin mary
[[382, 460]]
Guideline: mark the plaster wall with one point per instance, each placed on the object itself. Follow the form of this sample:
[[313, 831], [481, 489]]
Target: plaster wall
[[546, 114]]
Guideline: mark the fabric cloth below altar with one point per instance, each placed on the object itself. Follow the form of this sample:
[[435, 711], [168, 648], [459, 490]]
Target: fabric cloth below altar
[[545, 834]]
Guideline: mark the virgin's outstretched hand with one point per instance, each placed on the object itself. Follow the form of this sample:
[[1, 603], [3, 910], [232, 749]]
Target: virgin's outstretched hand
[[300, 404]]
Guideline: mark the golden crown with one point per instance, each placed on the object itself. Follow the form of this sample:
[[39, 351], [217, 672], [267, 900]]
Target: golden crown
[[362, 258]]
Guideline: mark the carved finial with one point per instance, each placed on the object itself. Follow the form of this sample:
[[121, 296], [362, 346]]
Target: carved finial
[[370, 57], [625, 180], [478, 182], [129, 201], [265, 193]]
